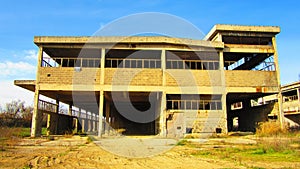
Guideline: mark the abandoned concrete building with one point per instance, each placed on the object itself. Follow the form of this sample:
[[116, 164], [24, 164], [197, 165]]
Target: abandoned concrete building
[[291, 104], [175, 85]]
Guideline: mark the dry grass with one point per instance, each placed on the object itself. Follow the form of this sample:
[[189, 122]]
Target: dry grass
[[9, 137], [270, 129], [272, 138]]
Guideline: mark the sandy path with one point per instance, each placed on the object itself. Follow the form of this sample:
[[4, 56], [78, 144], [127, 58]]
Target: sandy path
[[75, 153]]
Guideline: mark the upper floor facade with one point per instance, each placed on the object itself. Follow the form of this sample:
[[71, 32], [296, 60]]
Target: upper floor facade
[[231, 56]]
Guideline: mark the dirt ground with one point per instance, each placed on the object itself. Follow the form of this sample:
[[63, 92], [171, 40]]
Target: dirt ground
[[80, 152]]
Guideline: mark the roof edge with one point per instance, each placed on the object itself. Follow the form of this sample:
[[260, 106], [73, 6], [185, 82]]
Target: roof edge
[[39, 40], [241, 28]]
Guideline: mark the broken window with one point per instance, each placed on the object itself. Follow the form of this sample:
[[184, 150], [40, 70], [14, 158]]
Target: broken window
[[117, 58], [194, 102], [249, 61], [192, 60], [247, 40], [71, 58]]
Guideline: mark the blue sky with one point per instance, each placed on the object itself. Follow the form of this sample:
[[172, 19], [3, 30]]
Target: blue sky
[[20, 21]]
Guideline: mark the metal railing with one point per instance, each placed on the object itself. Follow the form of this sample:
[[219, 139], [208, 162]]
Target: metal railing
[[72, 62], [290, 98], [194, 104], [47, 106], [193, 64], [132, 63]]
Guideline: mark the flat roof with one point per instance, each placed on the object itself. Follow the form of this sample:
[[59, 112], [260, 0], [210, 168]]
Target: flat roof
[[241, 28], [40, 40], [290, 86]]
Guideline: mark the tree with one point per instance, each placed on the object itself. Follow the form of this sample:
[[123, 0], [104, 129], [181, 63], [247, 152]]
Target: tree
[[16, 113]]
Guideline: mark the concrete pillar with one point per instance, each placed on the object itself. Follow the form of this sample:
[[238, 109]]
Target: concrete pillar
[[101, 104], [102, 65], [223, 117], [57, 121], [163, 66], [162, 118], [280, 100], [101, 99], [163, 102], [48, 124], [107, 115], [36, 129], [89, 120], [93, 122], [298, 94], [70, 110]]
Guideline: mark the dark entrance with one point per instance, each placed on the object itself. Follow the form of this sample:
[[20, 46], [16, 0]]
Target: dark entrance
[[135, 113]]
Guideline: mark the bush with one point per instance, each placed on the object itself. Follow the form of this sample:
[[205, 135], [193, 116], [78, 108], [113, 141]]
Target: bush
[[270, 129]]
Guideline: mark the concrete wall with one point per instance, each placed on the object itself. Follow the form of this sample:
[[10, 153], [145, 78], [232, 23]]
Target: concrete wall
[[201, 121], [245, 78], [177, 77], [140, 77], [67, 75]]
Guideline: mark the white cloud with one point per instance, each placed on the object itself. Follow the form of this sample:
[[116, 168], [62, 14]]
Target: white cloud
[[18, 69], [10, 92], [31, 54]]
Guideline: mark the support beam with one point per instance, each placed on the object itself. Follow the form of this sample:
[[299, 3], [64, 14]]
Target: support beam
[[163, 104], [70, 110], [102, 66], [162, 119], [57, 121], [280, 99], [223, 117], [298, 94], [101, 104], [35, 125], [36, 129], [163, 66], [107, 116]]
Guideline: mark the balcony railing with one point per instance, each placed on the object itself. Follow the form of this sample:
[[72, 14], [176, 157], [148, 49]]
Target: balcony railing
[[194, 105], [72, 62], [47, 106], [132, 63], [193, 64], [290, 98]]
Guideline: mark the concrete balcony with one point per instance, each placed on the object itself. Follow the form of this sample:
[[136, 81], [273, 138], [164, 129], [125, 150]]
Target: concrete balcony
[[252, 81]]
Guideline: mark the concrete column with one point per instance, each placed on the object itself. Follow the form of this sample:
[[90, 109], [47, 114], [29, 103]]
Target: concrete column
[[35, 125], [48, 124], [162, 118], [107, 115], [102, 63], [101, 104], [57, 107], [92, 122], [89, 121], [163, 66], [163, 102], [280, 100], [298, 94], [94, 119], [223, 118], [36, 129], [70, 110], [57, 121]]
